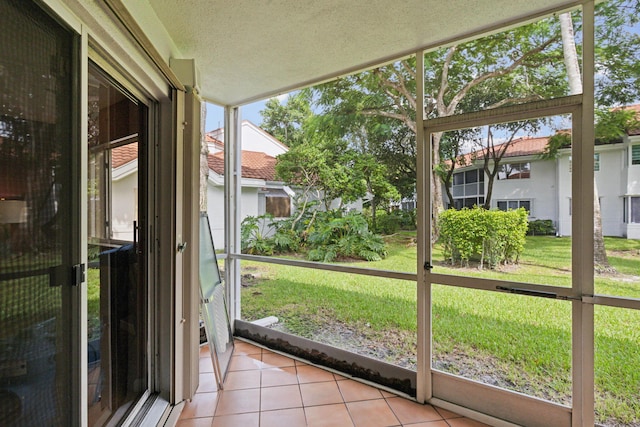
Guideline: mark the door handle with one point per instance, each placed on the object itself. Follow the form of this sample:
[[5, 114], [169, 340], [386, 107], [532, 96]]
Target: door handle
[[182, 246]]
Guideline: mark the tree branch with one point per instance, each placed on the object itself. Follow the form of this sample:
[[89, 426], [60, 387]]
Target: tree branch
[[501, 72]]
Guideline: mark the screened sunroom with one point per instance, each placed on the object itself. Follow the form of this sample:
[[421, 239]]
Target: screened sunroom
[[101, 127]]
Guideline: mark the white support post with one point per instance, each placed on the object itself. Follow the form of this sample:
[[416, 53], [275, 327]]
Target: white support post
[[423, 190], [232, 191], [582, 224]]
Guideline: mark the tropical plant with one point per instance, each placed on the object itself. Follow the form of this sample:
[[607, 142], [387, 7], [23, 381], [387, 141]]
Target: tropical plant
[[337, 236]]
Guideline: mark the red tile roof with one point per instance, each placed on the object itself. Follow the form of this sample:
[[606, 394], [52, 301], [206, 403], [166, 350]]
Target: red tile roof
[[635, 108], [254, 165], [209, 139], [524, 146], [124, 154]]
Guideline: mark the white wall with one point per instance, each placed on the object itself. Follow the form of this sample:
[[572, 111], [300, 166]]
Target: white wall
[[540, 189], [564, 194], [633, 171], [215, 209], [610, 181], [254, 139], [124, 206]]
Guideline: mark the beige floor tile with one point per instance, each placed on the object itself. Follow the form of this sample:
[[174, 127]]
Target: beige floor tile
[[208, 383], [339, 377], [243, 348], [412, 412], [320, 393], [328, 416], [237, 420], [204, 351], [465, 422], [372, 413], [441, 423], [205, 364], [240, 380], [353, 391], [279, 376], [386, 394], [283, 418], [202, 405], [266, 389], [274, 360], [195, 422], [282, 397], [245, 362], [447, 414], [238, 401], [311, 374]]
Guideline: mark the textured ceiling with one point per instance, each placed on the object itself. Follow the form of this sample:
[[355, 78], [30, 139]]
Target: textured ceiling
[[252, 49]]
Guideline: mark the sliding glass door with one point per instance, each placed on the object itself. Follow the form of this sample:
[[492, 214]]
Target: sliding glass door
[[38, 248], [116, 285]]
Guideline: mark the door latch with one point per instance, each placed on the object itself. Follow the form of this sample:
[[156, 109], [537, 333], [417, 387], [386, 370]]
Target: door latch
[[78, 274]]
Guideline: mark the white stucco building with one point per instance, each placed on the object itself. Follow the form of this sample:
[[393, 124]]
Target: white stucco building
[[261, 193], [543, 186]]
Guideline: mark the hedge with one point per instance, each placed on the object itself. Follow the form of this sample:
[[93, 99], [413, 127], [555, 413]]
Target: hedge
[[489, 236]]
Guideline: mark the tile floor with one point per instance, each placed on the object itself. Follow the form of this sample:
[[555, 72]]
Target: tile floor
[[265, 389]]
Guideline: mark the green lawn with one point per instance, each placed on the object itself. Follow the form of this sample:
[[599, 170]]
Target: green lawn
[[512, 341]]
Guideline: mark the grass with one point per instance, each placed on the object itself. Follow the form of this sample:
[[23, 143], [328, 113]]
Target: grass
[[520, 343], [27, 301]]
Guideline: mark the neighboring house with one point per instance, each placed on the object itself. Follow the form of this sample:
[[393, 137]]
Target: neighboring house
[[543, 187], [253, 139], [124, 195], [261, 192]]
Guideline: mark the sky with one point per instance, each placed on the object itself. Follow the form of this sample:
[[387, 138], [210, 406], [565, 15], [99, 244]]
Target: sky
[[251, 112], [215, 115]]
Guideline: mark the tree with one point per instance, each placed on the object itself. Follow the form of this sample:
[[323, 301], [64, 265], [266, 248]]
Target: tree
[[374, 173], [323, 169], [286, 122], [513, 66], [204, 157], [481, 74], [492, 152], [348, 169], [618, 80]]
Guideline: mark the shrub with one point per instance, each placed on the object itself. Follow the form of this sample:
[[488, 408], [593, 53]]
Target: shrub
[[253, 236], [541, 227], [408, 219], [491, 237], [388, 223], [336, 236], [326, 235]]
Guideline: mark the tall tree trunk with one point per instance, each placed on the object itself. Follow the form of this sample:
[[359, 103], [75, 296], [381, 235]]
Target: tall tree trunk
[[600, 260], [204, 164], [436, 187], [570, 54]]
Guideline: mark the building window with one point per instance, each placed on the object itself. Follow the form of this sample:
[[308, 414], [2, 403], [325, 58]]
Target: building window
[[634, 210], [506, 205], [468, 188], [635, 154], [514, 171], [278, 204], [467, 202], [596, 162]]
